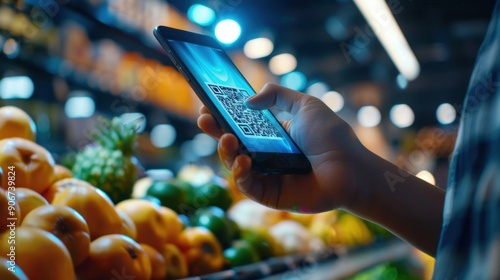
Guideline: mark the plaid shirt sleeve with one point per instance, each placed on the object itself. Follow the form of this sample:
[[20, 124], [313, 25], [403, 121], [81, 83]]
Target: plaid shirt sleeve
[[469, 247]]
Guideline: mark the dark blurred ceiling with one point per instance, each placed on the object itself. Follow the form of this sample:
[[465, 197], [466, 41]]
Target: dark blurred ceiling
[[444, 34]]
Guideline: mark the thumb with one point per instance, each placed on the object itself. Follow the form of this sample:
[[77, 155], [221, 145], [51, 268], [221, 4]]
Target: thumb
[[275, 95]]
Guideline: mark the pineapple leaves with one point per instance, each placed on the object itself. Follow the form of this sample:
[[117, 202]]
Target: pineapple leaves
[[108, 165], [115, 135]]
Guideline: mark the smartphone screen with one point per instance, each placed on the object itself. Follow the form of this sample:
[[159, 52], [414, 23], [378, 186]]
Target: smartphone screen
[[223, 89], [259, 131]]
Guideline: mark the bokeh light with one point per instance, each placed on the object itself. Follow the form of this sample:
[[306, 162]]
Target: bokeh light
[[258, 48], [401, 81], [79, 107], [402, 115], [163, 135], [11, 48], [426, 176], [336, 28], [203, 145], [334, 100], [227, 31], [201, 14], [446, 113], [21, 87], [317, 89], [282, 64], [295, 80], [369, 116], [134, 117]]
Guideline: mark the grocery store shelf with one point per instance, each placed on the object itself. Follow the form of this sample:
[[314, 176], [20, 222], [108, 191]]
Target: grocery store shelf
[[352, 263], [126, 36], [328, 264], [42, 66]]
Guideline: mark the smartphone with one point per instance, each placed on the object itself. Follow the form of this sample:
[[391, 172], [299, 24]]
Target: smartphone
[[223, 89]]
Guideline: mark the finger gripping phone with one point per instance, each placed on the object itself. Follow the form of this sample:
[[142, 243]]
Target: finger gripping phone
[[223, 89]]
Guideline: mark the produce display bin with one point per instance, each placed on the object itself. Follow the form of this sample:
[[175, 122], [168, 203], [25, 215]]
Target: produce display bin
[[328, 264]]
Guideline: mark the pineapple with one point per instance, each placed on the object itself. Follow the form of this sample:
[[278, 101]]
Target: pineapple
[[108, 164]]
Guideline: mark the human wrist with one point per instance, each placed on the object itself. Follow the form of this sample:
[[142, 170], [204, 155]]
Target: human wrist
[[367, 170]]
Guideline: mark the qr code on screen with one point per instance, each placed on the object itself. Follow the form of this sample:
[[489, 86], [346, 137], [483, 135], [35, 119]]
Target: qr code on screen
[[251, 122]]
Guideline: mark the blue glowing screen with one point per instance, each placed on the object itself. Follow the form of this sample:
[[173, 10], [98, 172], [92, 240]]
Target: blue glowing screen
[[212, 68]]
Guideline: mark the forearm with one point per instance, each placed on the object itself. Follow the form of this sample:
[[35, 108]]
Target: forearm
[[404, 204]]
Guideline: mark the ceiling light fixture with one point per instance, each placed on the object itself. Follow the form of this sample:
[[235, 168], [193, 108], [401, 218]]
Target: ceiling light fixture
[[382, 22]]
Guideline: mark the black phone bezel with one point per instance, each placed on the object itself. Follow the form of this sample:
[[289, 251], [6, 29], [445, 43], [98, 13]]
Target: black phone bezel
[[262, 163]]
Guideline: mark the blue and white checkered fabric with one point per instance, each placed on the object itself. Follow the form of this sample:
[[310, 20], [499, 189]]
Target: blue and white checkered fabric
[[469, 247]]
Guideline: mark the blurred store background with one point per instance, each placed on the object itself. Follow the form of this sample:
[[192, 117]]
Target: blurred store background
[[396, 70], [66, 62]]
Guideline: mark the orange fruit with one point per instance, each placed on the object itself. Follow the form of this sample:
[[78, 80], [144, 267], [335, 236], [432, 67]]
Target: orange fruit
[[94, 205], [28, 200], [152, 227], [50, 192], [202, 251], [61, 172], [60, 185], [10, 212], [115, 256], [15, 122], [25, 164], [10, 271], [39, 253], [128, 226], [174, 224], [176, 263], [66, 224], [158, 264]]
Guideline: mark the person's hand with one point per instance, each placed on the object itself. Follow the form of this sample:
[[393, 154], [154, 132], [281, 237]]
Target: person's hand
[[328, 142]]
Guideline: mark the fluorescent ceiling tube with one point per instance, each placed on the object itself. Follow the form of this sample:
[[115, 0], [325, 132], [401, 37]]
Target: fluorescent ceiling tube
[[379, 17]]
